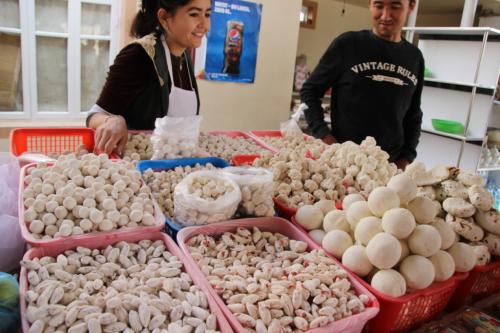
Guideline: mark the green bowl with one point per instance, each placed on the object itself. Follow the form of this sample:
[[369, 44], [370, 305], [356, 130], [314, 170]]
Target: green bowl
[[448, 126]]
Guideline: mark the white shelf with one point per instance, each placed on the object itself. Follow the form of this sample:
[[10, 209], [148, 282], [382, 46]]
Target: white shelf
[[457, 83], [453, 30], [452, 136], [491, 168]]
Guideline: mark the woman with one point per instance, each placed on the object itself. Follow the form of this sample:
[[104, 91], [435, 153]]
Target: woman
[[153, 76]]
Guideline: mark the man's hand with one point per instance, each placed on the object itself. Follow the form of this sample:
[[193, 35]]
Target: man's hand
[[329, 139], [112, 135], [402, 163]]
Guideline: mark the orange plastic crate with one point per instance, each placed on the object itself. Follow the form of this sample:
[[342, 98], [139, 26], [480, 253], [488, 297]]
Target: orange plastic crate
[[482, 281], [50, 140]]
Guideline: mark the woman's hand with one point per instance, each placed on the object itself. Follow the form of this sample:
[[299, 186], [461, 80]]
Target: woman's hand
[[111, 135]]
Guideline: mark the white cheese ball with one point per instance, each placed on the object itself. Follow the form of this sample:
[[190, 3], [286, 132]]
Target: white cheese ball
[[398, 222], [448, 236], [423, 209], [444, 265], [317, 235], [336, 220], [464, 256], [381, 200], [336, 242], [384, 251], [418, 271], [355, 259], [309, 217], [350, 199], [404, 186], [367, 228], [325, 205], [356, 211], [405, 250], [425, 240], [389, 282]]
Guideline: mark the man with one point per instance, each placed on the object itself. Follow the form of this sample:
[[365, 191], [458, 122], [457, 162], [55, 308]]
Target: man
[[376, 79]]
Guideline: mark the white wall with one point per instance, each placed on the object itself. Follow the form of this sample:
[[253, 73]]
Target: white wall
[[314, 42], [266, 103]]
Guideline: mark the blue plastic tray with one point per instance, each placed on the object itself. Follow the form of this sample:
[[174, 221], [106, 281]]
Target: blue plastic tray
[[172, 228], [161, 165]]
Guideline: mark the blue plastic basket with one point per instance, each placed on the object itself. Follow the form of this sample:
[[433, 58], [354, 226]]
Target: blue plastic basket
[[171, 228]]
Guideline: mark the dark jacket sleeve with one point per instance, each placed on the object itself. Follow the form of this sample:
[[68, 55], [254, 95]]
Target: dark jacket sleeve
[[323, 77], [412, 122], [126, 79]]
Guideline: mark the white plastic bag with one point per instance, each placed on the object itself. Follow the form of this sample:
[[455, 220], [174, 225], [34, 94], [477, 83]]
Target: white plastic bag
[[291, 129], [256, 186], [176, 137], [9, 184], [11, 243], [192, 205]]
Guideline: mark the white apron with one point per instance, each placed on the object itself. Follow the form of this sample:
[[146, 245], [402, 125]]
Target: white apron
[[181, 103]]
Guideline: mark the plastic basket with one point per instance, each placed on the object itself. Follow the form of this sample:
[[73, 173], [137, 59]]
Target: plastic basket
[[159, 221], [50, 140], [481, 282], [236, 134], [353, 324], [283, 210], [102, 241], [241, 160], [171, 227], [401, 314]]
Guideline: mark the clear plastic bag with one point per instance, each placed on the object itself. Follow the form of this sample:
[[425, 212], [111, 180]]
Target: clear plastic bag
[[290, 128], [176, 137], [9, 185], [192, 205], [256, 186]]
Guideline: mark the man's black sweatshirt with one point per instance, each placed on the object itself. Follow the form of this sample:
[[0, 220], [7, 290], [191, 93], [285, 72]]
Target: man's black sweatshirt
[[376, 88]]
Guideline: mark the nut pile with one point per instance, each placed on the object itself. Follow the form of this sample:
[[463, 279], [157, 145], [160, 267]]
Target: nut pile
[[77, 196], [301, 181], [165, 148], [226, 147], [138, 147], [465, 205], [162, 184], [296, 143], [128, 287], [272, 284], [205, 197]]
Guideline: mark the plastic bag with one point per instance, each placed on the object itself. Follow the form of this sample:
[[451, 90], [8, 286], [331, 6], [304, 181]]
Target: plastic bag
[[9, 184], [192, 205], [11, 243], [176, 137], [256, 186], [291, 129]]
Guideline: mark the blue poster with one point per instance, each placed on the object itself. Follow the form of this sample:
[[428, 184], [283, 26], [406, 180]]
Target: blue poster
[[232, 41]]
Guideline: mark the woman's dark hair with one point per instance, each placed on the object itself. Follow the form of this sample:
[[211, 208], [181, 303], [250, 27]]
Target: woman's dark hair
[[146, 20]]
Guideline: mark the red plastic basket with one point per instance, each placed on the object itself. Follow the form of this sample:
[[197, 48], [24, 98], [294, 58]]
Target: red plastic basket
[[157, 226], [235, 134], [402, 314], [283, 210], [482, 281], [50, 140], [353, 324], [102, 241], [240, 160]]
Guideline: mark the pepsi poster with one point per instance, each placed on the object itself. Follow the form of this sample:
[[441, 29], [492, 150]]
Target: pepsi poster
[[232, 42]]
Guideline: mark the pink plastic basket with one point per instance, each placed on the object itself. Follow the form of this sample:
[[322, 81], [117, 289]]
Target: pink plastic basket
[[159, 222], [353, 324], [401, 314], [101, 241]]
